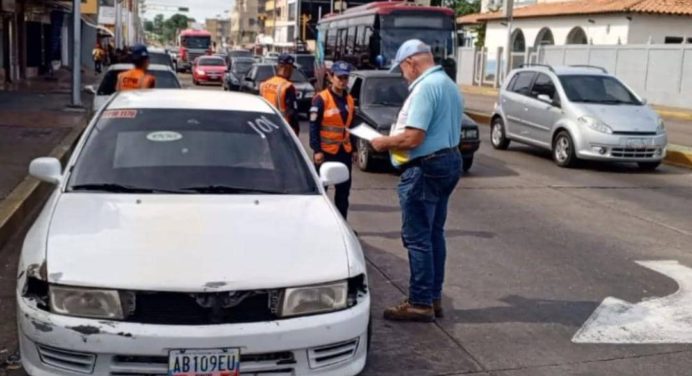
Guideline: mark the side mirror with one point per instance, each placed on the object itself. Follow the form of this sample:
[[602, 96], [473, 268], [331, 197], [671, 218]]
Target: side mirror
[[333, 173], [644, 101], [545, 98], [46, 169], [90, 89]]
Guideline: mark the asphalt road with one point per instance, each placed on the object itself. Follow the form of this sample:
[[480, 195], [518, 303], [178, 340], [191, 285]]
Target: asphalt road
[[533, 250], [679, 131]]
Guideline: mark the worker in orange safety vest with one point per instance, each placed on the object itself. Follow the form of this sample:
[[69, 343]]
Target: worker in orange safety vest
[[280, 92], [138, 77]]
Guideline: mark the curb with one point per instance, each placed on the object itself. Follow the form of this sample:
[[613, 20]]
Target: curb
[[676, 155], [30, 194]]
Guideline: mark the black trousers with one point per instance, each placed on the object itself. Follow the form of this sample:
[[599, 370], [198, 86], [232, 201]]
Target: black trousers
[[343, 190]]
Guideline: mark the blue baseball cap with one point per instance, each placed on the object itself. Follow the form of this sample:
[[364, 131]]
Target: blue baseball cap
[[139, 51], [341, 68], [286, 59], [409, 48]]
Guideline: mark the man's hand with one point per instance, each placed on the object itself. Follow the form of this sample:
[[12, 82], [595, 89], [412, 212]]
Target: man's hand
[[379, 144], [318, 158]]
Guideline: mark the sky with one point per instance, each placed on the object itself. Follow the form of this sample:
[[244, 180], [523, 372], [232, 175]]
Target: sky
[[199, 9]]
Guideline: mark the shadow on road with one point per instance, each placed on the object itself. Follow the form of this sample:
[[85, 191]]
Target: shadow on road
[[449, 233]]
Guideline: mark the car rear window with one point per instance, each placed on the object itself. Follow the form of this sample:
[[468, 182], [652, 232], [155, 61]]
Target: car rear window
[[176, 150], [164, 80], [212, 62], [159, 58]]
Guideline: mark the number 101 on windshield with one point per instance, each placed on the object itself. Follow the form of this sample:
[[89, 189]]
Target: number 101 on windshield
[[221, 362]]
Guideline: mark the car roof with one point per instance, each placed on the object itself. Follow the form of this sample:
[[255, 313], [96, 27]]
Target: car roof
[[567, 70], [190, 100], [243, 58], [156, 50], [374, 73], [152, 67]]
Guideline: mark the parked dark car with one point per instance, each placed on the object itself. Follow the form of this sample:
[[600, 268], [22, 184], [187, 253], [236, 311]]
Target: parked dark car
[[379, 96], [306, 64], [234, 53], [239, 67], [263, 71]]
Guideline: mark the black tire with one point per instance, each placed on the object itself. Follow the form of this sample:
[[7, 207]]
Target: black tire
[[468, 162], [563, 151], [365, 162], [648, 166], [498, 137]]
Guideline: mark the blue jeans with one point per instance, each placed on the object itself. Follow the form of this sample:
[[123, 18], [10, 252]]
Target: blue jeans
[[424, 193]]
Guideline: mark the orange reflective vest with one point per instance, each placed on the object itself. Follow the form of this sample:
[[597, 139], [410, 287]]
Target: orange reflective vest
[[333, 128], [274, 91], [135, 79]]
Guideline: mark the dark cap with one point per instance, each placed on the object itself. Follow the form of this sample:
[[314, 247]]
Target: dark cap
[[341, 68], [286, 59], [139, 52]]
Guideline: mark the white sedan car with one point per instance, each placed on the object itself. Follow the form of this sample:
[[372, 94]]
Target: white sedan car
[[189, 235]]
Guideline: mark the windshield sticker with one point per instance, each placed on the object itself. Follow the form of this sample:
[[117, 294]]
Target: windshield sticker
[[119, 114], [164, 136], [263, 126]]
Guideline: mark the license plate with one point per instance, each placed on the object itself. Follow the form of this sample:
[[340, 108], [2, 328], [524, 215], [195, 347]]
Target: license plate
[[637, 143], [213, 362]]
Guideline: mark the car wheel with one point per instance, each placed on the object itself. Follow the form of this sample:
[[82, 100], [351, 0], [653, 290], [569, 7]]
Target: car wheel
[[564, 154], [648, 166], [365, 162], [498, 136], [468, 162]]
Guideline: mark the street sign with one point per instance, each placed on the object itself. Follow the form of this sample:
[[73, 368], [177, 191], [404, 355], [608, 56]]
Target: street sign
[[652, 321]]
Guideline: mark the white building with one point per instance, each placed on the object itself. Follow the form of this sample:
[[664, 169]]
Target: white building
[[599, 22]]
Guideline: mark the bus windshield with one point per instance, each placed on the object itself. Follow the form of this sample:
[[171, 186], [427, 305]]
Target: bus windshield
[[201, 42]]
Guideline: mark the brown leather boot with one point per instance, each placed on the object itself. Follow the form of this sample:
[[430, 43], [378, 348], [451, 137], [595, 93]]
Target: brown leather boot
[[409, 312], [437, 307]]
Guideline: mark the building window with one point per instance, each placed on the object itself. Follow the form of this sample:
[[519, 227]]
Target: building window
[[291, 34], [545, 38], [292, 12], [577, 36], [673, 40], [518, 41]]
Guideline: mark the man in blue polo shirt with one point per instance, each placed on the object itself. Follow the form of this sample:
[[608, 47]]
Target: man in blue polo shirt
[[424, 144]]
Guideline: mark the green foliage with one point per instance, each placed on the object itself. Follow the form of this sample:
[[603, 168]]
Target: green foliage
[[164, 29], [464, 7], [149, 26]]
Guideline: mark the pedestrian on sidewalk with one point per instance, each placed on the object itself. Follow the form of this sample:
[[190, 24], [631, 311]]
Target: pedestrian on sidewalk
[[331, 115], [138, 77], [424, 145], [280, 92], [99, 56]]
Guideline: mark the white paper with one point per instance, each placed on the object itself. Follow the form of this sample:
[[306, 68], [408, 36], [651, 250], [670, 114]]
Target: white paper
[[365, 132]]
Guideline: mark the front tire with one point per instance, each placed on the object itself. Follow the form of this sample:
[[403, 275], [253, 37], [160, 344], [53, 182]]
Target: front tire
[[648, 166], [498, 136], [564, 154], [468, 162], [365, 162]]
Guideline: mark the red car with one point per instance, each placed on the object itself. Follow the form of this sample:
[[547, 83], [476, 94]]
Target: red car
[[208, 69]]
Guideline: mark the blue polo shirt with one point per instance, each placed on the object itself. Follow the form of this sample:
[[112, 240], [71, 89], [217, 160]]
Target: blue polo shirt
[[435, 106]]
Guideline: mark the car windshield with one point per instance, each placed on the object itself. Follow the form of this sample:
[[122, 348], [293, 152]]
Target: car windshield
[[191, 151], [298, 76], [597, 89], [306, 62], [159, 58], [164, 80], [385, 91], [211, 62], [196, 42], [241, 67], [239, 53], [264, 73]]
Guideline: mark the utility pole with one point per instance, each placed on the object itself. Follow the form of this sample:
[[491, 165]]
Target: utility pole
[[509, 11], [305, 19], [77, 54], [118, 24]]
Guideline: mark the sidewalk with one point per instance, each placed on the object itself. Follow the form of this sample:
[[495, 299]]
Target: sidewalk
[[480, 101], [34, 122]]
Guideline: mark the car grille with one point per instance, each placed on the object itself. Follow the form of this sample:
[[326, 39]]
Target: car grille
[[279, 363], [194, 55], [633, 152], [325, 356], [634, 133], [67, 360], [185, 309]]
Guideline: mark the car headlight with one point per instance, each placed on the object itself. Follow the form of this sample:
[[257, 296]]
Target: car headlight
[[661, 127], [102, 304], [314, 299], [595, 124], [201, 72], [469, 134]]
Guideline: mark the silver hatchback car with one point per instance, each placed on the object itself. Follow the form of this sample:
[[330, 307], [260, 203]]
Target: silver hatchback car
[[578, 112]]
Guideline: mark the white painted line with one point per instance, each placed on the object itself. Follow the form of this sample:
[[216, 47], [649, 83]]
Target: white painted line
[[652, 321]]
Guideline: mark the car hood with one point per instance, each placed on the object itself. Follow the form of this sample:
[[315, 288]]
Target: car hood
[[382, 116], [624, 118], [303, 86], [196, 243]]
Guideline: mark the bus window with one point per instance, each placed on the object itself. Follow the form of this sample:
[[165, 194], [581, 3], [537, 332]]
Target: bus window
[[341, 44], [329, 47], [351, 42]]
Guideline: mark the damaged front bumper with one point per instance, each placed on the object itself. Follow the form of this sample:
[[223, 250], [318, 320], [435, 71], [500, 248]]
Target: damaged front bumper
[[327, 344]]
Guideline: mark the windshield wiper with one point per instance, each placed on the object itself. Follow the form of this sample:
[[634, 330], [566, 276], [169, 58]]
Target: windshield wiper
[[223, 189], [120, 188]]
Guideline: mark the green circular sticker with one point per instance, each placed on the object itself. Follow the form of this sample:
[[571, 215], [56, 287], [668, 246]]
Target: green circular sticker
[[164, 136]]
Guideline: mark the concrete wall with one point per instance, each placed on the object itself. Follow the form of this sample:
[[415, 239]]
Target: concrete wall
[[466, 65], [656, 28], [660, 73]]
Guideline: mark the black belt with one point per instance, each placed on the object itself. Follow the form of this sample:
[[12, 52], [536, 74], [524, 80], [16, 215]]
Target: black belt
[[417, 161]]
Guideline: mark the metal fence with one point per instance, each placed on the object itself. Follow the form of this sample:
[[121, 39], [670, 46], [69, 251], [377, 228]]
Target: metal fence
[[660, 73]]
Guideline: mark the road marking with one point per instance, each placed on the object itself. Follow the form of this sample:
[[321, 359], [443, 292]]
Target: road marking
[[652, 321]]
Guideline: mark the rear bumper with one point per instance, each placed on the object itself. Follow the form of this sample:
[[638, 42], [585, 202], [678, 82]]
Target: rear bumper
[[469, 147]]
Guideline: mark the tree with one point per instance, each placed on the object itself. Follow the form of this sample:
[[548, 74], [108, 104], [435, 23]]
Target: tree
[[149, 26], [158, 24], [464, 7], [172, 25]]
